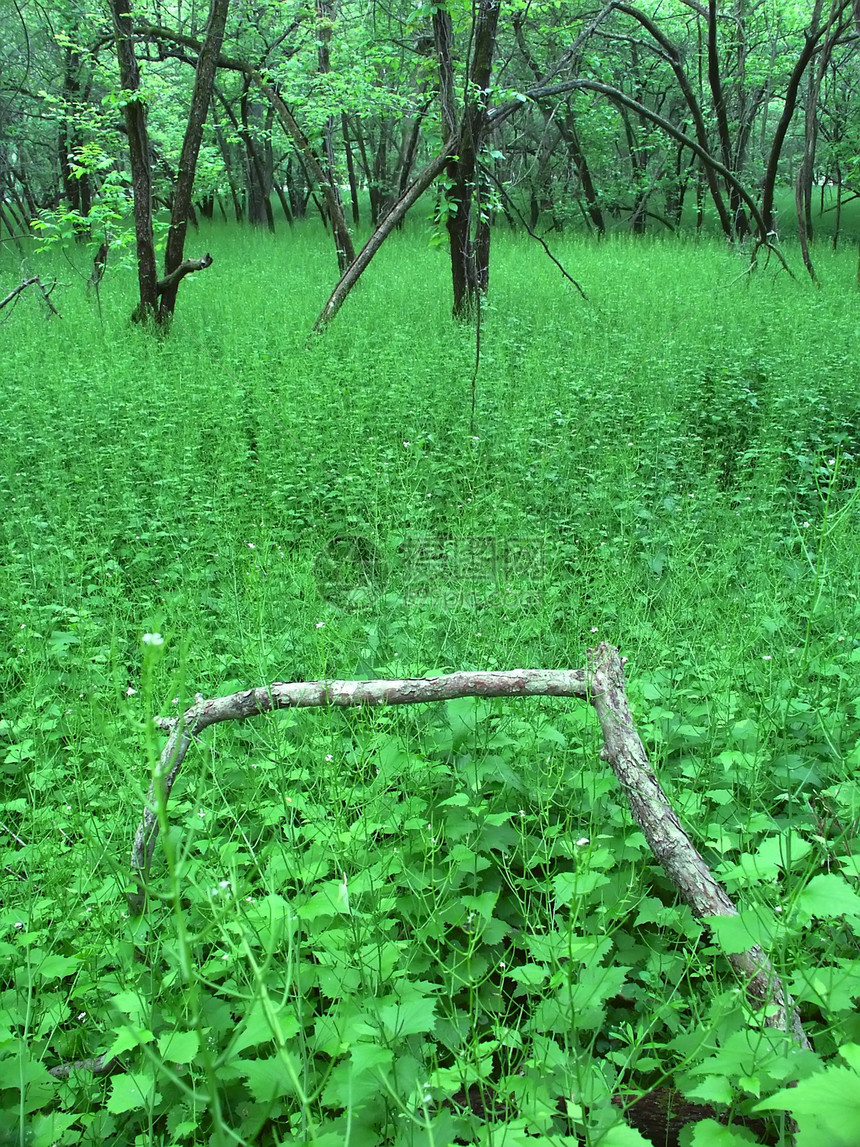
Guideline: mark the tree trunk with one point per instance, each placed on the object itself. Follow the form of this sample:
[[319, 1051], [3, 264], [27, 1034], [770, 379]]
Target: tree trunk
[[76, 186], [342, 238], [350, 170], [468, 235], [134, 112], [226, 155], [387, 224], [204, 81], [258, 168]]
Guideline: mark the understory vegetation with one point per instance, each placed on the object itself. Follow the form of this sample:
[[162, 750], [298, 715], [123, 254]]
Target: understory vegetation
[[428, 925]]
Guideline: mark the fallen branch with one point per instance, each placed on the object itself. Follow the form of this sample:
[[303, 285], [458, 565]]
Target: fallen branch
[[37, 282], [601, 683], [95, 1065]]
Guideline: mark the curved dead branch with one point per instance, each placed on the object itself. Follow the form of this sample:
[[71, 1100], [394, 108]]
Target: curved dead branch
[[601, 684]]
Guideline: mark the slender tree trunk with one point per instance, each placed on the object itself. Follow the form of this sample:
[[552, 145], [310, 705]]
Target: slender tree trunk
[[226, 156], [803, 186], [468, 233], [675, 59], [15, 233], [134, 112], [350, 170], [837, 215], [204, 81], [258, 173], [76, 186], [789, 105], [342, 238], [387, 224]]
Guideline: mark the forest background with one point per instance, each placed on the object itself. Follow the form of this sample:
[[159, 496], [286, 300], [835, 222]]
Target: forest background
[[598, 385]]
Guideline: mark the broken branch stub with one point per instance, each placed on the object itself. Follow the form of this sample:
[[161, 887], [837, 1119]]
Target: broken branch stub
[[601, 683]]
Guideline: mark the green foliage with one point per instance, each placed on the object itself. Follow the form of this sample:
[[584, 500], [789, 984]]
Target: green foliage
[[428, 926]]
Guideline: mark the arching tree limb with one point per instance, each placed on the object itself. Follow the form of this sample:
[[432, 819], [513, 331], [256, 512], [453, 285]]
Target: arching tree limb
[[383, 229]]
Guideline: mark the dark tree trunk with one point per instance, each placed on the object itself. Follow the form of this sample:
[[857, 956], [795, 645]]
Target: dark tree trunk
[[258, 166], [377, 186], [350, 170], [204, 81], [342, 238], [789, 104], [468, 233], [15, 233], [387, 224], [227, 155], [675, 59], [297, 193], [134, 112], [409, 146]]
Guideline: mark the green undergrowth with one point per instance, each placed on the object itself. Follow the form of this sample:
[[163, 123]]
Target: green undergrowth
[[429, 925]]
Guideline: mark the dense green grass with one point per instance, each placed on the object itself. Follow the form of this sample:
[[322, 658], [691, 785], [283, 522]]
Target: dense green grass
[[669, 465]]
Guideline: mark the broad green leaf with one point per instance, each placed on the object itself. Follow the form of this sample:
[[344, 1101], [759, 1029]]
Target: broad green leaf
[[458, 799], [568, 885], [529, 974], [781, 852], [738, 933], [850, 1052], [131, 1091], [257, 1026], [367, 1056], [407, 1018], [826, 1107], [54, 967], [829, 896], [622, 1135], [270, 1078], [128, 1038], [179, 1047], [709, 1133]]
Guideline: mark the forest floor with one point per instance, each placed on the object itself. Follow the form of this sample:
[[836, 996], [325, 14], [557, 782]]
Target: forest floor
[[436, 924]]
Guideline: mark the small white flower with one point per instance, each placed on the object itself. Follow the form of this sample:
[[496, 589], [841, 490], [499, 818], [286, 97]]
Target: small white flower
[[806, 525], [130, 692], [582, 842], [251, 546], [594, 629], [407, 445], [201, 813], [767, 657], [329, 756], [320, 625], [152, 639]]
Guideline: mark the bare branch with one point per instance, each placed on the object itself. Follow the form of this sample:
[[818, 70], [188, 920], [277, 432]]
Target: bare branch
[[35, 281], [601, 683]]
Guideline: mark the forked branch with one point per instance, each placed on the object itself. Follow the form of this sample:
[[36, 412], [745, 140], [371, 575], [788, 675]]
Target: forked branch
[[601, 684]]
